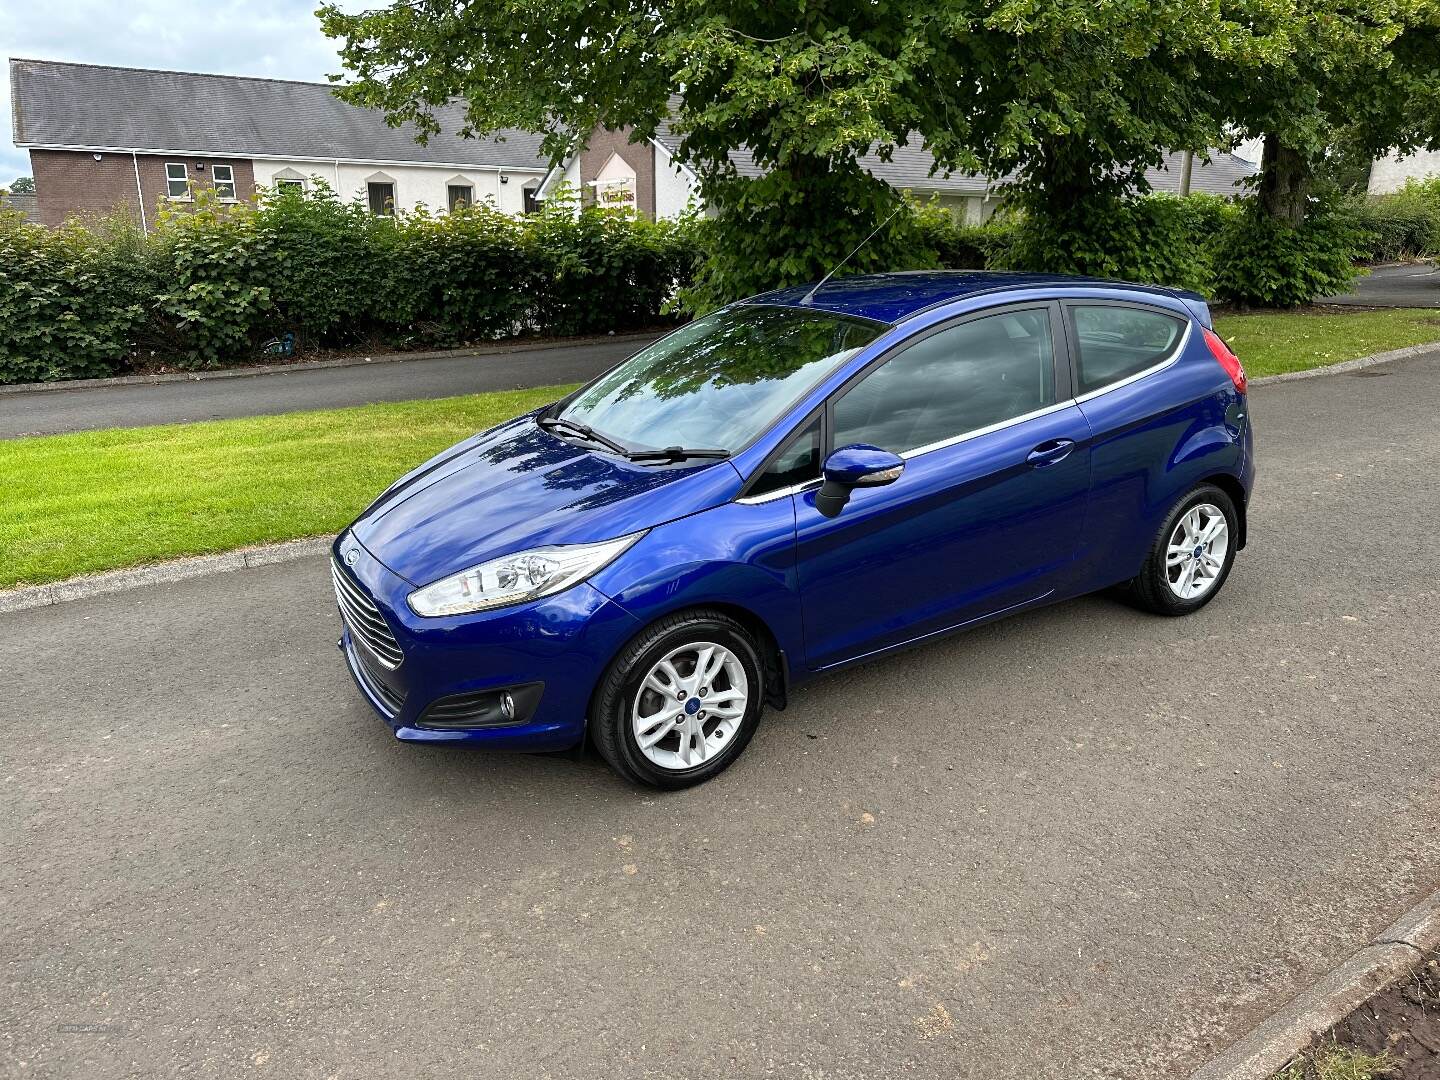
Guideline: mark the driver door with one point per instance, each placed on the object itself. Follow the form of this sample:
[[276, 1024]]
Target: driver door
[[989, 510]]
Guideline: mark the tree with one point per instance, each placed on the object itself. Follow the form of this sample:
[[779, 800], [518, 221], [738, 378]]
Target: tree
[[23, 185], [1078, 96], [1364, 74]]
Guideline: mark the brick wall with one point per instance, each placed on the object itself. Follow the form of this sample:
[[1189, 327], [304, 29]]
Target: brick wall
[[71, 183], [641, 157]]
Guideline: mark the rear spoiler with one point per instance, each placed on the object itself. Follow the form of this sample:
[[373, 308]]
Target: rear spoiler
[[1197, 305]]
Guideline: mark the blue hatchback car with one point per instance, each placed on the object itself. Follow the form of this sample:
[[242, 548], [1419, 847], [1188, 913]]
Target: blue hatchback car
[[797, 482]]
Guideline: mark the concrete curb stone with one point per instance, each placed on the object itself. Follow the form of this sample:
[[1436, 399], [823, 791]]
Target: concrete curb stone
[[315, 365], [1351, 365], [1275, 1042], [82, 588]]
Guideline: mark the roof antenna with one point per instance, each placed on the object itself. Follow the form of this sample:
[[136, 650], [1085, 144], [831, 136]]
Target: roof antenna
[[811, 294]]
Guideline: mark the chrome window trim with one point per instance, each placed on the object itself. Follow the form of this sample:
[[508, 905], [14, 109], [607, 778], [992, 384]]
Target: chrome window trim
[[779, 493], [986, 430], [1172, 358]]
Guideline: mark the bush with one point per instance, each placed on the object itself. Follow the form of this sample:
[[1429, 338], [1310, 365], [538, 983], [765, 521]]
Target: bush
[[956, 245], [70, 302], [1405, 225], [209, 285], [1153, 239], [1272, 264]]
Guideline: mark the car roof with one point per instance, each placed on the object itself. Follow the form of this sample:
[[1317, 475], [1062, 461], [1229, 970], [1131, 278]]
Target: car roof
[[892, 298]]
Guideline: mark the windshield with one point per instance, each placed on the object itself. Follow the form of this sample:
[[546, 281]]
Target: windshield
[[720, 381]]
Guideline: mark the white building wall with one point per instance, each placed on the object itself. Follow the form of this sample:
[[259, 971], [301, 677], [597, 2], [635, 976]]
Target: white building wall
[[1389, 173], [674, 186], [415, 185]]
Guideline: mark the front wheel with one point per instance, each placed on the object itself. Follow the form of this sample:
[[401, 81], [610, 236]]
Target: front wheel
[[680, 702], [1191, 556]]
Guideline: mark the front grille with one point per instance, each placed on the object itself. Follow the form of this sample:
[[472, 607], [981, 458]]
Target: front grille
[[364, 619]]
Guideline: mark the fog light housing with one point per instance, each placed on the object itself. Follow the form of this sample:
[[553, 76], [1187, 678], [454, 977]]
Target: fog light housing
[[480, 709]]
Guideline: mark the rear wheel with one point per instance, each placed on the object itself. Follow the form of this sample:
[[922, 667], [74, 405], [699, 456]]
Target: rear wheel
[[678, 705], [1191, 556]]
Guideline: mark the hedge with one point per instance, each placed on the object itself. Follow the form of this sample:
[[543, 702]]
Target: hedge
[[215, 285], [221, 284], [1405, 225]]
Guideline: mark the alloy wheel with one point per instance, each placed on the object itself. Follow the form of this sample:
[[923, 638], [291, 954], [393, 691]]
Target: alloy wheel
[[690, 705], [1195, 553]]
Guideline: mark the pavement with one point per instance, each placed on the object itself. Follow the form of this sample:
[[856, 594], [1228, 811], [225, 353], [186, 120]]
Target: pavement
[[1083, 842], [1409, 285], [51, 411]]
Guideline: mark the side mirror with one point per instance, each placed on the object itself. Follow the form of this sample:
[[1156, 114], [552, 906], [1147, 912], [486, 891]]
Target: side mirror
[[855, 466]]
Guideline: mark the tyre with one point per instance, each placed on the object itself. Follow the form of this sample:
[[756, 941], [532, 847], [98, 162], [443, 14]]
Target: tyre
[[1191, 555], [680, 702]]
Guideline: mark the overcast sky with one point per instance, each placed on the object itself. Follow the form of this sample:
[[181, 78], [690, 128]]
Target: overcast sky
[[278, 38]]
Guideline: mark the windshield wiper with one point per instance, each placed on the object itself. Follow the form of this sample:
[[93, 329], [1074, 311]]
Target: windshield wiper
[[585, 431], [676, 453]]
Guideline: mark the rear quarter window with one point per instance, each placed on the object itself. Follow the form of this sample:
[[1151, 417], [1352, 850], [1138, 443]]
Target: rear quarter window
[[1116, 342]]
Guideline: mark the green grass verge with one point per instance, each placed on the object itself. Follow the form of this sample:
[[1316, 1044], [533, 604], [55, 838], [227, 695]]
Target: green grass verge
[[1271, 343], [1334, 1063], [75, 504]]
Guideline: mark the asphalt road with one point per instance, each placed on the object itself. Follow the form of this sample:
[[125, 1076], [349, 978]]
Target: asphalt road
[[1414, 285], [48, 412], [1083, 842]]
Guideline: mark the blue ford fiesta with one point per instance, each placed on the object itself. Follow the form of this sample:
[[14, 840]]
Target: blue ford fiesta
[[797, 482]]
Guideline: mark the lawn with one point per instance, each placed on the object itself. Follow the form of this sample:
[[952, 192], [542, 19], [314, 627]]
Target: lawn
[[74, 504], [1270, 343]]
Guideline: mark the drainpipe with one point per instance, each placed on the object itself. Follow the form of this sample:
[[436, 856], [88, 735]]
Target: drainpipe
[[139, 193], [337, 179]]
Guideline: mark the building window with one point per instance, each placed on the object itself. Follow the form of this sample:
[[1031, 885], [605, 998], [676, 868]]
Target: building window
[[177, 180], [290, 186], [532, 199], [461, 196], [382, 198], [224, 179]]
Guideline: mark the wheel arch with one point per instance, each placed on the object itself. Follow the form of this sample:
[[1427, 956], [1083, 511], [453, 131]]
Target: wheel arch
[[777, 664]]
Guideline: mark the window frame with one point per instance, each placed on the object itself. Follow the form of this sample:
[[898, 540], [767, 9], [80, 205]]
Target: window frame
[[370, 201], [286, 183], [184, 179], [1059, 360], [216, 182], [450, 190], [1072, 338]]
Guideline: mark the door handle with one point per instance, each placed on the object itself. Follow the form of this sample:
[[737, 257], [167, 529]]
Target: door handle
[[1050, 453]]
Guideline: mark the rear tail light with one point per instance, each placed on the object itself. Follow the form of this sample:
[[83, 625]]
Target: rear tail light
[[1228, 360]]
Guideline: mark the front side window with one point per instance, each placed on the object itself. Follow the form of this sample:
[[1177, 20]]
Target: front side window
[[1117, 342], [382, 199], [959, 380], [722, 380], [798, 463], [461, 196], [290, 186], [177, 180], [224, 179]]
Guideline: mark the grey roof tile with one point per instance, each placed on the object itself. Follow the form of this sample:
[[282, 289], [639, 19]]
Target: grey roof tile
[[23, 202], [89, 105]]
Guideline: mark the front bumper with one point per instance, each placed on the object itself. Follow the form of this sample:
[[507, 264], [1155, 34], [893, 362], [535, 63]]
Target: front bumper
[[563, 641]]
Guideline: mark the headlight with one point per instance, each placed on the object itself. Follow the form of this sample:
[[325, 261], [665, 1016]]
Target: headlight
[[513, 579]]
